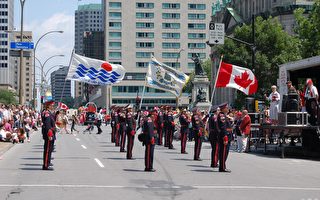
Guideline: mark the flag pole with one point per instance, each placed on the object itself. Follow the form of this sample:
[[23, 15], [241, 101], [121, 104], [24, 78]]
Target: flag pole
[[65, 80], [215, 83]]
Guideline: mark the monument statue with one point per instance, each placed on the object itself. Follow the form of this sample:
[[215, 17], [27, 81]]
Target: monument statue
[[198, 68], [201, 96]]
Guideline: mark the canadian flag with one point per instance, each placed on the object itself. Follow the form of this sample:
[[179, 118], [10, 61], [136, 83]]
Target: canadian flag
[[237, 77], [62, 106]]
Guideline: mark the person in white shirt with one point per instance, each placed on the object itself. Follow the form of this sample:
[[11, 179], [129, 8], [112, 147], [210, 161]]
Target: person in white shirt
[[274, 99], [312, 96]]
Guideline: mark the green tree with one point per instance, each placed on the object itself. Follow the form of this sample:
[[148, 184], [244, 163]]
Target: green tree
[[7, 97], [273, 47], [308, 30]]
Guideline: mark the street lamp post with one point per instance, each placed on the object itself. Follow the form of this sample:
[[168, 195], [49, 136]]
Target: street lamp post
[[21, 82], [42, 68], [34, 64]]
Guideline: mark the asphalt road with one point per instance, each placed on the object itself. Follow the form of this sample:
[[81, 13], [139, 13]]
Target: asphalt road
[[90, 167]]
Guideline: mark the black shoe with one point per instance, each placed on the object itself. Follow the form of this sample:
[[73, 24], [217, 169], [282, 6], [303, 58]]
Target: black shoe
[[123, 151], [184, 152], [214, 166], [47, 168], [225, 170], [172, 148], [50, 165], [197, 159], [149, 170]]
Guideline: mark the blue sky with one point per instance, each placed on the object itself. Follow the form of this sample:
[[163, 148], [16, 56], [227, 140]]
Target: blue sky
[[41, 16]]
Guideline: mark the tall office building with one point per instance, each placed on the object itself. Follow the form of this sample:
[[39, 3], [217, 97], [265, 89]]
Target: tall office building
[[6, 24], [27, 63], [171, 30], [88, 18], [60, 87], [236, 12]]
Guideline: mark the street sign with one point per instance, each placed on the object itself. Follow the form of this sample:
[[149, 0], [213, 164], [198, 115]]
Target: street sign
[[216, 33], [21, 45]]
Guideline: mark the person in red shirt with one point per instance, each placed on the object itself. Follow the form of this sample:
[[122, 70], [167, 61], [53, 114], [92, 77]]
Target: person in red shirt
[[245, 128]]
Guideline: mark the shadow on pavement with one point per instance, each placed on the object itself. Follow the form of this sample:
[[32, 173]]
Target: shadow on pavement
[[31, 164], [133, 170], [110, 151], [31, 168], [204, 170], [201, 166], [182, 159]]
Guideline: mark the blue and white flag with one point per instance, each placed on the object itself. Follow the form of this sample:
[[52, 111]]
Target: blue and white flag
[[163, 77], [93, 71]]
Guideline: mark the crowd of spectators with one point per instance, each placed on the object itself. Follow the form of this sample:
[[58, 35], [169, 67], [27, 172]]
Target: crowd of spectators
[[17, 122]]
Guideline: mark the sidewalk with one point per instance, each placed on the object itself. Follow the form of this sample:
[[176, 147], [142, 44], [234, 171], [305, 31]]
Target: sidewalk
[[5, 146]]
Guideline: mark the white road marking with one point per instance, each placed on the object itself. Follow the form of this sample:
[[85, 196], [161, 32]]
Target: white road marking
[[217, 187], [83, 146], [77, 139], [99, 163], [253, 187]]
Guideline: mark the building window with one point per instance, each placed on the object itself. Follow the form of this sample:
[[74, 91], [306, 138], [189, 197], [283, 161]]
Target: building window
[[115, 55], [115, 45], [191, 65], [171, 5], [140, 15], [145, 5], [144, 54], [193, 6], [144, 25], [144, 35], [170, 55], [171, 25], [115, 15], [172, 64], [196, 36], [115, 4], [167, 45], [170, 15], [115, 25], [200, 55], [171, 35], [142, 64], [193, 16], [197, 26], [116, 35], [196, 45], [144, 44]]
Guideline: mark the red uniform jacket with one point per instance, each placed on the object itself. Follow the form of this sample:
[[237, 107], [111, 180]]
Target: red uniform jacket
[[245, 125]]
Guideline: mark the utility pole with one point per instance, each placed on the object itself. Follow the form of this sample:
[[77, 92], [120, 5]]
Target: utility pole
[[21, 71]]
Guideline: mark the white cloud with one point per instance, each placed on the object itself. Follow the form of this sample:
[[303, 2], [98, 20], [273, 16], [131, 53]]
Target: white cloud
[[55, 43]]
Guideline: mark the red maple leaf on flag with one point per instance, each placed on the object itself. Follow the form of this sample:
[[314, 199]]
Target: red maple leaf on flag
[[243, 80]]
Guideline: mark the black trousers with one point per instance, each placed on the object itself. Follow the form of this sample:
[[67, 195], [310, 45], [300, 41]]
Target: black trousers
[[214, 152], [122, 137], [117, 134], [160, 135], [130, 144], [47, 152], [148, 157], [166, 138], [197, 144], [223, 154], [184, 135], [113, 140], [170, 136], [98, 126]]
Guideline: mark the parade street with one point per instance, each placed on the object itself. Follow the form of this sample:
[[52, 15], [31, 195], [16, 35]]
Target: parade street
[[88, 166]]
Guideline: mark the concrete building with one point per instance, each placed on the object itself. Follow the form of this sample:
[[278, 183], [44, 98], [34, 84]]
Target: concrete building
[[60, 87], [171, 30], [236, 12], [27, 63], [6, 24], [88, 18]]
